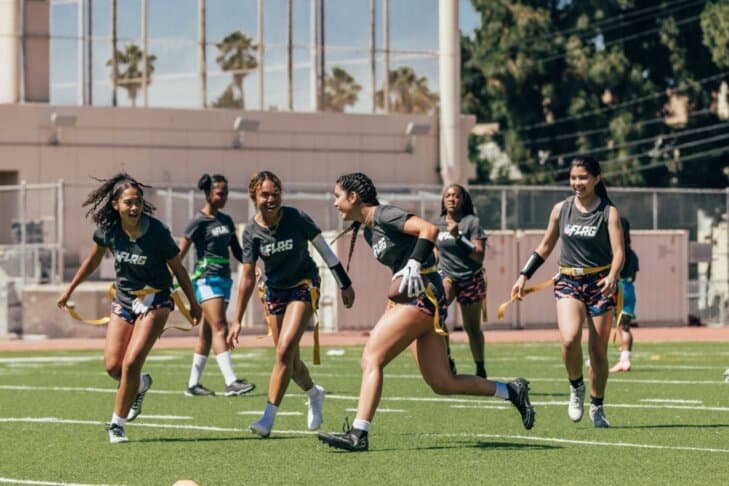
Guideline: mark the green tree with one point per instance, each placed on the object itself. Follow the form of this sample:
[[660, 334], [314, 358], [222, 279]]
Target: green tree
[[340, 90], [408, 92], [130, 75], [235, 57], [628, 82]]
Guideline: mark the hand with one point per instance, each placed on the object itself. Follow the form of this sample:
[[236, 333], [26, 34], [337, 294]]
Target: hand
[[608, 286], [62, 300], [232, 338], [411, 279], [348, 297], [517, 291], [195, 312]]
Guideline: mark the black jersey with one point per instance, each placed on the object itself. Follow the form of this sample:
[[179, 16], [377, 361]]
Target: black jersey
[[585, 238], [284, 250], [390, 244], [631, 265], [212, 239], [454, 260], [142, 262]]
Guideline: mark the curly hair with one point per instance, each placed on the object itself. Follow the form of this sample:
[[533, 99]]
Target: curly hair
[[102, 211], [365, 189], [258, 179]]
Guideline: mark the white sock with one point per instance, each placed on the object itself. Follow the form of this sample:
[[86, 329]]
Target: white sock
[[269, 415], [314, 391], [625, 356], [361, 424], [116, 420], [502, 390], [198, 366], [226, 367]]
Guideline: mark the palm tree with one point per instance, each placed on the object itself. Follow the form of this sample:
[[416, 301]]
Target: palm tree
[[130, 77], [236, 59], [408, 92], [340, 90]]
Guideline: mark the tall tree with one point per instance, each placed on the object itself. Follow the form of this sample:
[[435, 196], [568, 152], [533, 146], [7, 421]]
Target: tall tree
[[408, 92], [130, 76], [340, 90], [627, 82], [235, 57]]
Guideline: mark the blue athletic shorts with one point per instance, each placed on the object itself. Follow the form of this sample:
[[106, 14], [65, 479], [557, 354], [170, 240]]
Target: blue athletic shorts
[[161, 300], [276, 300], [628, 296], [207, 288], [584, 288]]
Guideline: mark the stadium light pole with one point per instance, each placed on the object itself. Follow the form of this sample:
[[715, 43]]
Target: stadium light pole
[[413, 130], [242, 125]]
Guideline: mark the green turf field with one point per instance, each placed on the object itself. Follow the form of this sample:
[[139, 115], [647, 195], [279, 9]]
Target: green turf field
[[669, 416]]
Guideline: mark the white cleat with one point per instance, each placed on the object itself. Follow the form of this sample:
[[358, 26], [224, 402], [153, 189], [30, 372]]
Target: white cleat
[[116, 434], [576, 403], [620, 366], [314, 417]]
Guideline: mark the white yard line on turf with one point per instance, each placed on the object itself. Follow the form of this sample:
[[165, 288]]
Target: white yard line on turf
[[258, 412], [54, 420], [49, 483], [669, 400], [385, 410], [164, 417]]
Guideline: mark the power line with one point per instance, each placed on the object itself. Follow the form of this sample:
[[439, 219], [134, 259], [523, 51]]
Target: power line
[[688, 158]]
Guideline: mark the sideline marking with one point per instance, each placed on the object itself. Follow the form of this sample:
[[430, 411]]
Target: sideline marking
[[301, 432], [51, 483]]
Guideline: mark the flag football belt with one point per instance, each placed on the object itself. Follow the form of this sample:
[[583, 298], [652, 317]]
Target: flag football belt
[[313, 295], [579, 272], [529, 290], [204, 262], [140, 294], [430, 295]]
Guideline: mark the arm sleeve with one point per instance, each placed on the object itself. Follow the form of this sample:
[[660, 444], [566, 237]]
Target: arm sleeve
[[249, 252]]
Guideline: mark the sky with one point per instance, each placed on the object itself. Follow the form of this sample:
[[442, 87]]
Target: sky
[[173, 33]]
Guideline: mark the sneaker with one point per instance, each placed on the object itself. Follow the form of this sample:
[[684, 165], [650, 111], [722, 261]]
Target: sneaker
[[314, 417], [576, 403], [519, 397], [260, 428], [620, 366], [199, 391], [352, 439], [239, 387], [116, 434], [137, 403], [597, 415]]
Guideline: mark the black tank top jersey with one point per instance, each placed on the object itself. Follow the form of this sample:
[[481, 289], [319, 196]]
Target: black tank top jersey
[[585, 238], [211, 237], [142, 262], [631, 265], [390, 244], [284, 250], [454, 261]]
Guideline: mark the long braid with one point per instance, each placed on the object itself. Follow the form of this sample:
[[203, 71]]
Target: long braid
[[100, 200], [363, 186]]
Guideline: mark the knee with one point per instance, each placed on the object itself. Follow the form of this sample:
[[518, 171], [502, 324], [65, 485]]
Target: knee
[[285, 352], [131, 367], [113, 368], [572, 344], [371, 361], [218, 331], [441, 387]]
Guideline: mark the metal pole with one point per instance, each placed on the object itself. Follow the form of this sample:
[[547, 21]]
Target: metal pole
[[503, 209], [373, 75], [23, 201], [386, 54], [145, 51], [114, 67], [202, 63], [60, 204], [89, 53], [261, 48], [322, 57], [81, 64], [655, 210]]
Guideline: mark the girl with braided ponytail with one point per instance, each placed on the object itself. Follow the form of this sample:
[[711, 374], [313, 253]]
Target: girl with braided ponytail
[[404, 243], [143, 250], [279, 235]]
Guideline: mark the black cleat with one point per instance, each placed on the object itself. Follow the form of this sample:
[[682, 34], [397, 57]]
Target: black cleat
[[199, 391], [353, 440], [519, 397]]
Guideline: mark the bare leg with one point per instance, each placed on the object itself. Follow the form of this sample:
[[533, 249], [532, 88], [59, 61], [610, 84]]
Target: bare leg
[[292, 328], [570, 315], [118, 334], [472, 325], [599, 327], [300, 373]]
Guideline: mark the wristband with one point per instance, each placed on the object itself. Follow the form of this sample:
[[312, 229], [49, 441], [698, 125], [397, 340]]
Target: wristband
[[340, 275], [535, 261], [466, 244], [422, 250]]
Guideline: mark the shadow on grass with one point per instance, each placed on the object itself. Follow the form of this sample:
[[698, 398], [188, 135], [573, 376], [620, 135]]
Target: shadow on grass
[[512, 446], [213, 439]]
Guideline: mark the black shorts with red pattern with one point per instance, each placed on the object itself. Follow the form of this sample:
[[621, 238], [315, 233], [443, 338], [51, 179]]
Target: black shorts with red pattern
[[585, 289], [434, 283], [162, 300], [276, 300], [471, 290]]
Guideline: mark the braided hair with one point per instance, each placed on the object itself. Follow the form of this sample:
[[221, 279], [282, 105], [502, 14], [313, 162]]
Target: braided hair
[[100, 200], [206, 181], [592, 166], [258, 179], [361, 185], [466, 206]]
